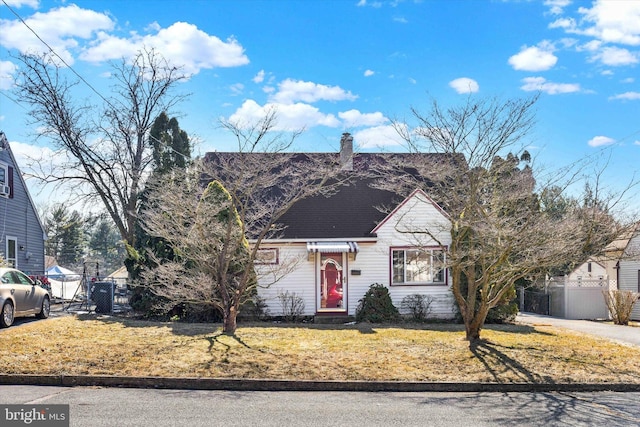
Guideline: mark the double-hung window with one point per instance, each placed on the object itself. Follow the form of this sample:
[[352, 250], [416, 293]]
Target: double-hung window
[[418, 266], [4, 180]]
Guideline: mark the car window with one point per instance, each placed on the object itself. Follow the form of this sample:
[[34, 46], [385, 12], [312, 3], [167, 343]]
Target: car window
[[21, 278], [6, 278]]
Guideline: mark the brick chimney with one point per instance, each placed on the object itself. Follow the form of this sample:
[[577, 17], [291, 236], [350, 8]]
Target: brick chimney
[[346, 152]]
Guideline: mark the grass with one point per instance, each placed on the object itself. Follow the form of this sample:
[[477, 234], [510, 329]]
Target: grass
[[91, 345]]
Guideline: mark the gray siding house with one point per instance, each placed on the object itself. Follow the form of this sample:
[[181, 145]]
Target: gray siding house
[[629, 270], [22, 234]]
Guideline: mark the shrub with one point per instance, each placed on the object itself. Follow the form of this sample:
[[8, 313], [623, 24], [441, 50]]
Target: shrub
[[292, 306], [376, 306], [417, 305], [254, 309], [506, 310], [620, 305]]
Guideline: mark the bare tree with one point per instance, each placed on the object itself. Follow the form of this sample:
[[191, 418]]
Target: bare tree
[[216, 233], [499, 233], [107, 150]]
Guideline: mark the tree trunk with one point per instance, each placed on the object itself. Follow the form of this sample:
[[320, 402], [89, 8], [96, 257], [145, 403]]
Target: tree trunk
[[472, 330], [229, 322], [474, 325]]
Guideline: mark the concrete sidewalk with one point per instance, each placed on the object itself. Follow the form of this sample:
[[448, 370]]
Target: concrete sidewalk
[[629, 335]]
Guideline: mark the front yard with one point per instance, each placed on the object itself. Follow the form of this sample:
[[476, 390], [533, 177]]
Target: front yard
[[90, 345]]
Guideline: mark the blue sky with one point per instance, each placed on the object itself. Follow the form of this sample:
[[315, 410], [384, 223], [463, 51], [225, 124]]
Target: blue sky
[[354, 65]]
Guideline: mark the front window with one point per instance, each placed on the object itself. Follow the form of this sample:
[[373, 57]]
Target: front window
[[418, 266], [12, 252]]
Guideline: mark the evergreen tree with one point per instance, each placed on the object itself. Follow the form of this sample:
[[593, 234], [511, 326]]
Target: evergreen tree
[[171, 145], [66, 241], [105, 244], [171, 153]]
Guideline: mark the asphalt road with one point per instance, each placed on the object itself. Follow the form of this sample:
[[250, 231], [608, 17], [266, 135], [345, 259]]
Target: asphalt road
[[99, 407]]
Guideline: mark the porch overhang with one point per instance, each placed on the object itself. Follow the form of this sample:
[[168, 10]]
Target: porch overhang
[[332, 247]]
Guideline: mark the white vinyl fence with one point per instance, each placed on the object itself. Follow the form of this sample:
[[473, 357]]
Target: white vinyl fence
[[578, 299]]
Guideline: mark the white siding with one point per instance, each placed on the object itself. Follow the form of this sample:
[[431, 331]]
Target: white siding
[[417, 222], [598, 272], [630, 270], [300, 279], [404, 227]]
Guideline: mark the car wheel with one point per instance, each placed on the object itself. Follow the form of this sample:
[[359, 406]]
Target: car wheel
[[6, 317], [45, 309]]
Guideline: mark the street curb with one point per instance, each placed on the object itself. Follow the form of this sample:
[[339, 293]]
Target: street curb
[[286, 385]]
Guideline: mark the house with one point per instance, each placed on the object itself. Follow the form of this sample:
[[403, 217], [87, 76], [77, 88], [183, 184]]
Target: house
[[578, 295], [591, 271], [341, 244], [629, 269], [22, 234]]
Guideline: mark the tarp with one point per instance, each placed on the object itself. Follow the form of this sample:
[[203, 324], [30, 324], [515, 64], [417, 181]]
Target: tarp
[[66, 289], [62, 274]]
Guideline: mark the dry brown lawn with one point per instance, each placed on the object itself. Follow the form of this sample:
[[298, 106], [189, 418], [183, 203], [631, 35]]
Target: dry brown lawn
[[92, 345]]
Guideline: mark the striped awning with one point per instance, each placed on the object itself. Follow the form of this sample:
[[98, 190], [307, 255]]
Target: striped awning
[[337, 247]]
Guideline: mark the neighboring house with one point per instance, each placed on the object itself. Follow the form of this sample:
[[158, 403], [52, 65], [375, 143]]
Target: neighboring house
[[341, 244], [22, 234], [629, 269], [590, 271], [611, 256]]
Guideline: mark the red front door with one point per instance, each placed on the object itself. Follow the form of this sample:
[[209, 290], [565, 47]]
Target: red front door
[[332, 283]]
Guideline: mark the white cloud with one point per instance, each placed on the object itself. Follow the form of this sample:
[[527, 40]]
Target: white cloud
[[600, 141], [47, 159], [400, 19], [290, 91], [24, 152], [236, 88], [7, 70], [534, 58], [628, 80], [154, 26], [593, 46], [541, 84], [354, 118], [59, 27], [376, 4], [464, 85], [183, 44], [613, 21], [290, 117], [556, 6], [19, 3], [377, 136], [630, 96], [636, 142], [568, 24], [615, 56], [369, 73], [259, 78]]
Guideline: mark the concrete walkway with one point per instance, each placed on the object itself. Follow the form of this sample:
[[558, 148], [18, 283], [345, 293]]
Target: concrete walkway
[[623, 334]]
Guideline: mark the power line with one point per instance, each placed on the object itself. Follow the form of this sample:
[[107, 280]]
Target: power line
[[56, 54], [13, 100], [78, 75]]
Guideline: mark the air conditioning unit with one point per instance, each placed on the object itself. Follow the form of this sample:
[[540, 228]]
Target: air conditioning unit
[[5, 190]]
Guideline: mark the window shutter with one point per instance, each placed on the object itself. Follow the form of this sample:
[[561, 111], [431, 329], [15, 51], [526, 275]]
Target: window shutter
[[10, 182]]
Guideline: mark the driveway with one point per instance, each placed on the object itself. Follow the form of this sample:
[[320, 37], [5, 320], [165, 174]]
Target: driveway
[[622, 334]]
